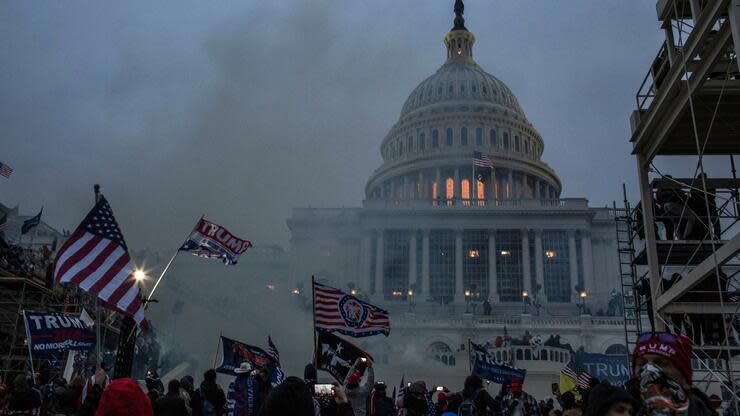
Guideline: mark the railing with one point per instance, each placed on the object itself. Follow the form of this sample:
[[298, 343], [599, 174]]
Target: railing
[[575, 322], [564, 203]]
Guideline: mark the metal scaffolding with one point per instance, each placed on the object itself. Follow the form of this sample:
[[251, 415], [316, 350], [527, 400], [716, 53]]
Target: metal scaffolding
[[688, 108]]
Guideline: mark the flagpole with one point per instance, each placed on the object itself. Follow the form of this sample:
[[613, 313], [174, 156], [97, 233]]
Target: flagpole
[[96, 189], [313, 311], [30, 354], [218, 345], [470, 363], [167, 267]]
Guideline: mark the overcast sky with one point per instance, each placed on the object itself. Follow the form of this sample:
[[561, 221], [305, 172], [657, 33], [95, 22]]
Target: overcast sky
[[242, 110]]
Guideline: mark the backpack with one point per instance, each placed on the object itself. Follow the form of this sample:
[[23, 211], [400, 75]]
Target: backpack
[[208, 408], [468, 407], [383, 406]]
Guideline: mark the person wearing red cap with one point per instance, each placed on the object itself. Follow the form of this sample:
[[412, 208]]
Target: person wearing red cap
[[518, 402], [661, 365], [358, 394]]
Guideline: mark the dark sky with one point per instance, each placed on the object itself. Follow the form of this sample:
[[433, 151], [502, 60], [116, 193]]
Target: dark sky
[[244, 110]]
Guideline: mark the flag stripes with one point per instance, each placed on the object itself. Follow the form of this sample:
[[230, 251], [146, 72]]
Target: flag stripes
[[335, 310], [5, 170]]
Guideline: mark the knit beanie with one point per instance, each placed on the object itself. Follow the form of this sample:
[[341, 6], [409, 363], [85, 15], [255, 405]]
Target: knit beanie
[[676, 348]]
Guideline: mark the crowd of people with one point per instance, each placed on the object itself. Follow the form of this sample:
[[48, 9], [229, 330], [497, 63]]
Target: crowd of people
[[26, 262], [661, 385]]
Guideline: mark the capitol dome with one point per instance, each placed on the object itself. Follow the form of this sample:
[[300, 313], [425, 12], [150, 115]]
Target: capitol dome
[[462, 139]]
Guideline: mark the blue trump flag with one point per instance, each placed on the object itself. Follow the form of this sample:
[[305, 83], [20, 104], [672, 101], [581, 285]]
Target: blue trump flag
[[613, 368], [235, 353], [56, 333], [32, 222], [485, 366]]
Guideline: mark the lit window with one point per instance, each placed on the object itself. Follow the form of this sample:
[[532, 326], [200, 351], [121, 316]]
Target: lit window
[[450, 185], [481, 190], [434, 190], [550, 254], [506, 253], [474, 254], [465, 189]]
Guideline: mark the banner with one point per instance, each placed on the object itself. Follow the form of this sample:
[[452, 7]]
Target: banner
[[335, 310], [337, 356], [56, 333], [213, 241], [486, 367], [613, 368]]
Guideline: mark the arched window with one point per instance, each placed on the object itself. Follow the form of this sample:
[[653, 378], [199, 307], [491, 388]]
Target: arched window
[[519, 354], [543, 355], [422, 141], [493, 138], [526, 147], [481, 194], [485, 90], [506, 140], [464, 136], [434, 190], [527, 354], [410, 145], [449, 137], [435, 138], [400, 148], [450, 188], [465, 189], [479, 136], [516, 144]]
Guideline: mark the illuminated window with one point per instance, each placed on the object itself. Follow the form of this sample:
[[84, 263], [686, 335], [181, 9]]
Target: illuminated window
[[450, 185], [465, 189], [434, 190], [506, 253], [481, 190], [550, 254], [473, 254]]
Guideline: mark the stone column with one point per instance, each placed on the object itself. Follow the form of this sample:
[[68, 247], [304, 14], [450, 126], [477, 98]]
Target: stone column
[[379, 266], [492, 281], [405, 194], [587, 262], [420, 188], [491, 200], [393, 190], [573, 257], [425, 263], [457, 195], [510, 185], [539, 266], [366, 244], [439, 185], [412, 258], [536, 189], [459, 290], [527, 275]]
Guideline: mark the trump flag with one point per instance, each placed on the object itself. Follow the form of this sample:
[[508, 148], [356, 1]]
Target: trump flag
[[213, 241]]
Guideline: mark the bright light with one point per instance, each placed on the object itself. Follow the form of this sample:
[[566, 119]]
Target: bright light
[[467, 293], [270, 286], [296, 291], [139, 275], [584, 294], [353, 292], [411, 293], [505, 253], [525, 294], [550, 254], [473, 254], [397, 293]]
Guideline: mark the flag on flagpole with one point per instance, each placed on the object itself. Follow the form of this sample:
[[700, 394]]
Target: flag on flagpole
[[5, 170], [337, 311], [482, 161], [338, 356], [95, 258], [32, 222], [213, 241]]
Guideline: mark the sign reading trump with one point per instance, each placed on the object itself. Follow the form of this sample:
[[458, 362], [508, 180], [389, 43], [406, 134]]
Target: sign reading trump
[[213, 241], [56, 332]]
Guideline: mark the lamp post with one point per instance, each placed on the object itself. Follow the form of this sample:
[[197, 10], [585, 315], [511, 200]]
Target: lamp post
[[410, 294], [468, 294], [583, 295], [525, 300]]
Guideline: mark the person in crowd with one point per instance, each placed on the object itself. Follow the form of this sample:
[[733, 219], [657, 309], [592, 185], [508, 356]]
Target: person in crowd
[[378, 402], [518, 402], [661, 363], [244, 396], [92, 391], [608, 400], [124, 397], [154, 386], [569, 404], [213, 397], [22, 396], [171, 404], [414, 401], [294, 397], [474, 400], [358, 393], [195, 401]]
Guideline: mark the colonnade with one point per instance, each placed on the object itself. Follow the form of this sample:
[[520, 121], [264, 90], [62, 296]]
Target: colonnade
[[537, 276]]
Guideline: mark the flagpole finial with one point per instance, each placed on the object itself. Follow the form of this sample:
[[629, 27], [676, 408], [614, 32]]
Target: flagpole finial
[[96, 189]]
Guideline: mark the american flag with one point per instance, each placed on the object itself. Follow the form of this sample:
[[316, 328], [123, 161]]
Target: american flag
[[95, 258], [337, 311], [577, 373], [5, 170], [272, 350], [482, 161], [277, 375]]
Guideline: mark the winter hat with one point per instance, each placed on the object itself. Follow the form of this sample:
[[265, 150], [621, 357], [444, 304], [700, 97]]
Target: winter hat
[[603, 396], [124, 397], [418, 387], [354, 378], [676, 348]]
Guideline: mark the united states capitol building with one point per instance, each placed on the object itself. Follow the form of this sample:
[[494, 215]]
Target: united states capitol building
[[458, 252]]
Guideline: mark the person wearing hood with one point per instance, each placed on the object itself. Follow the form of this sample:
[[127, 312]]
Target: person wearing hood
[[661, 365], [357, 393], [154, 386], [124, 397], [171, 404], [608, 400], [213, 397]]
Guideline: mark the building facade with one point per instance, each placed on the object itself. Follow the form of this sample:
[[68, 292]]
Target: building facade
[[463, 233]]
